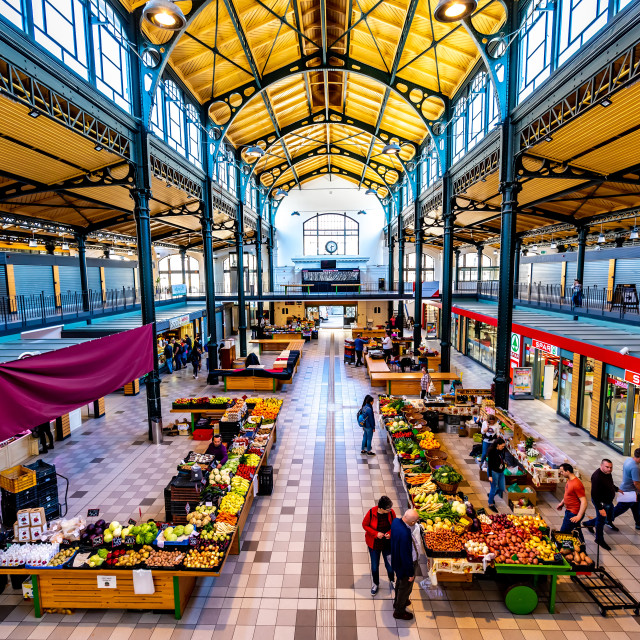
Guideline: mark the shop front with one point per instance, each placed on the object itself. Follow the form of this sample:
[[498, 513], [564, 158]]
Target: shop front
[[620, 409], [481, 343]]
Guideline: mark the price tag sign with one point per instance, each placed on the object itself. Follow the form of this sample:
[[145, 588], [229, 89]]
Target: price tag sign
[[164, 525], [396, 465], [132, 522], [96, 541], [255, 488], [65, 543], [116, 542], [107, 582], [208, 504], [193, 541], [93, 513], [187, 507], [480, 511], [130, 540]]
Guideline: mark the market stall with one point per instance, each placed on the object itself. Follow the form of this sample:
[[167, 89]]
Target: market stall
[[86, 562], [461, 541]]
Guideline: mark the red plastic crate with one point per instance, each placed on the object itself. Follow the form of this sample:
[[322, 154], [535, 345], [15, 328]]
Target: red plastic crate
[[203, 434]]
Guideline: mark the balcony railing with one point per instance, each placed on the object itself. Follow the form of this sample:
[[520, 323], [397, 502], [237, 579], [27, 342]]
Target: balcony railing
[[593, 300]]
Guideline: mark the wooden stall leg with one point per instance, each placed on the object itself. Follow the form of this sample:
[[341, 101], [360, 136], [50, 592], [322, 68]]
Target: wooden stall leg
[[37, 605], [552, 593]]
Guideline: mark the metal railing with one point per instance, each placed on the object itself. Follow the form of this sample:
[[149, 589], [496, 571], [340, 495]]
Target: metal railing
[[591, 300], [21, 311]]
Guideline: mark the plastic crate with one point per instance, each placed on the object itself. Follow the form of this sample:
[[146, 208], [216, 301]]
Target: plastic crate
[[52, 512], [44, 471], [203, 434], [16, 479], [48, 496], [265, 480]]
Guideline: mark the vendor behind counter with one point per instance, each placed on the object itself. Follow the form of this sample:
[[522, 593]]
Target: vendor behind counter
[[218, 451]]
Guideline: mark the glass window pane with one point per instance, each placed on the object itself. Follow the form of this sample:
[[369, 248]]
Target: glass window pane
[[11, 10]]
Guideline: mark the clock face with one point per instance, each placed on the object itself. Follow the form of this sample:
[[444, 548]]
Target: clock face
[[331, 246]]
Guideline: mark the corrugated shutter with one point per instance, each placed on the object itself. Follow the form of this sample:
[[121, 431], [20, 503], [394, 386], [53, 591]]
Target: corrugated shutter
[[596, 274], [33, 279], [93, 277], [118, 278], [3, 280], [524, 274], [547, 272], [571, 273], [69, 279], [628, 271]]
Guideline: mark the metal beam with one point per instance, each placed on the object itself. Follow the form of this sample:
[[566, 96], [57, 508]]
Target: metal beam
[[383, 105]]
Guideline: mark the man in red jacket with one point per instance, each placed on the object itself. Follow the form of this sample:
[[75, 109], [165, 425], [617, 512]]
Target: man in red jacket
[[377, 525]]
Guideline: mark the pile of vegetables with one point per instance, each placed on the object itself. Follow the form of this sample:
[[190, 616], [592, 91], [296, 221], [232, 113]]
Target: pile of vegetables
[[443, 541], [446, 474]]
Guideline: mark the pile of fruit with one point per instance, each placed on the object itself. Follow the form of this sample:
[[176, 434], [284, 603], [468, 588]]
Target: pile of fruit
[[244, 471], [251, 459], [231, 503], [176, 534], [132, 558], [201, 516], [210, 533], [61, 557], [240, 485], [267, 409], [403, 433], [162, 558], [443, 541], [98, 558], [396, 425], [428, 441], [208, 557], [143, 534]]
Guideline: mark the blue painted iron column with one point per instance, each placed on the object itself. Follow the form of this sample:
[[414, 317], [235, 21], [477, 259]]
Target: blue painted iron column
[[448, 217], [456, 271], [81, 242], [242, 314], [259, 257], [417, 313], [401, 240], [390, 274], [516, 269], [509, 188], [209, 283], [183, 266], [270, 241], [582, 245], [480, 254]]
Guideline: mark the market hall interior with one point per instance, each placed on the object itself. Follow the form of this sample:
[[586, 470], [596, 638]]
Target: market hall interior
[[239, 219]]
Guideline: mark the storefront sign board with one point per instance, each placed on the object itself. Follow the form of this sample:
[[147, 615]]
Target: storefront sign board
[[178, 289], [632, 377], [546, 347], [516, 346], [174, 323], [522, 380]]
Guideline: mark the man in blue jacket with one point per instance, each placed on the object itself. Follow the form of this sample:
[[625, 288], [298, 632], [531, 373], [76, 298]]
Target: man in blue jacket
[[359, 348], [404, 560]]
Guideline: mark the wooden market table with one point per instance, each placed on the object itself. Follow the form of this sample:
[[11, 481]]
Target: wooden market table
[[375, 365], [300, 287], [271, 344], [368, 333], [399, 384]]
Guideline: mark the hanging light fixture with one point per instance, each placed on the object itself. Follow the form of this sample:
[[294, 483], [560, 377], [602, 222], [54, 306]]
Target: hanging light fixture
[[370, 192], [553, 243], [362, 212], [601, 238], [634, 232], [281, 193], [534, 247], [65, 246], [454, 10], [164, 14], [295, 213], [390, 149], [254, 152], [33, 242]]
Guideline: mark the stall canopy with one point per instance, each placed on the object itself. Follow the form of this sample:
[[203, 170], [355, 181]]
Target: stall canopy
[[46, 386]]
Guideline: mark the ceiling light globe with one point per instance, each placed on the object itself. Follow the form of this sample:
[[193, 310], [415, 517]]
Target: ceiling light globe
[[454, 10], [164, 14]]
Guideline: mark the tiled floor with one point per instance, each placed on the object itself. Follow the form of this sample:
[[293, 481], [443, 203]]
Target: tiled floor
[[304, 572]]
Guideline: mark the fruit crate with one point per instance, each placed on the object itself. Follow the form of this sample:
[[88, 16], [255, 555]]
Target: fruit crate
[[16, 479], [45, 473]]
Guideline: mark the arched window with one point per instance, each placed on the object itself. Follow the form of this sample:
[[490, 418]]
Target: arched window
[[175, 117], [428, 268], [323, 230], [170, 272], [59, 26], [111, 55], [468, 267]]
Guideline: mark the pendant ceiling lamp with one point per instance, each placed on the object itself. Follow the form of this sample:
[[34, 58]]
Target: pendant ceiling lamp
[[254, 152], [391, 149], [164, 14], [454, 10]]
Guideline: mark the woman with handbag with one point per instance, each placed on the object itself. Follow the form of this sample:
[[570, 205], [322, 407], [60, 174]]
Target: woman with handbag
[[377, 525], [426, 384], [495, 471], [367, 421]]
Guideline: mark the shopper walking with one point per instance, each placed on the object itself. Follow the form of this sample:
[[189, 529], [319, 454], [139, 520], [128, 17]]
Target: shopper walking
[[44, 433], [603, 492], [630, 484], [488, 431], [425, 383], [495, 471], [184, 353], [196, 359], [368, 424], [405, 538], [576, 293], [574, 500], [377, 525], [359, 348], [176, 355], [168, 356], [387, 346]]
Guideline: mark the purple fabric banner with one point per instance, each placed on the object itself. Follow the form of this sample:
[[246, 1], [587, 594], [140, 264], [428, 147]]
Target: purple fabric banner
[[47, 386]]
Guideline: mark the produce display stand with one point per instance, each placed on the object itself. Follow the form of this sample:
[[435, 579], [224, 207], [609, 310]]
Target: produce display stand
[[408, 384], [211, 413], [368, 333]]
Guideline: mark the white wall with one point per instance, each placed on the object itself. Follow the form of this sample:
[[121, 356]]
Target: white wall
[[330, 196]]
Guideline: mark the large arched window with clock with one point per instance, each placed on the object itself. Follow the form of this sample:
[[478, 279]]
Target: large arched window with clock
[[331, 234]]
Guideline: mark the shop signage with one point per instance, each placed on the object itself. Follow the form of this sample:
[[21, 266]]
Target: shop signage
[[522, 380], [174, 323], [178, 289], [545, 346], [632, 377], [516, 343], [616, 382]]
